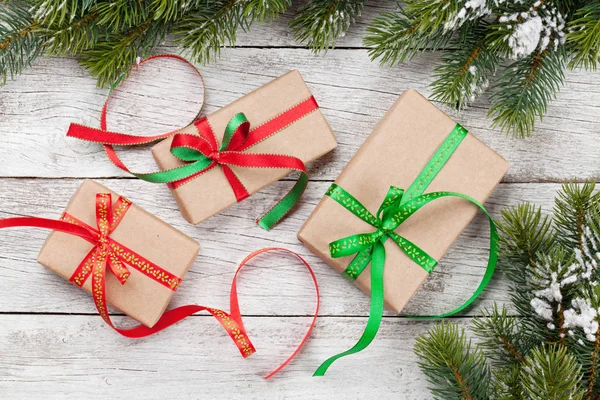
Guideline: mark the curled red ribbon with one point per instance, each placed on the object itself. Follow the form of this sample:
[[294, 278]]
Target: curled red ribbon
[[107, 253]]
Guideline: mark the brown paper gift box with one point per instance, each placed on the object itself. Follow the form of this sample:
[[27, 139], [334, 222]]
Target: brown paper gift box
[[393, 155], [308, 139], [141, 298]]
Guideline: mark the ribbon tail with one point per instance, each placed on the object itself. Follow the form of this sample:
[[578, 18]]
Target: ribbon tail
[[358, 264], [171, 317], [100, 261], [375, 313], [235, 308], [285, 205], [489, 269], [239, 190]]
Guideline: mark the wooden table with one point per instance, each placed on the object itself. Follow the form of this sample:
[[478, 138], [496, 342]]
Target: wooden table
[[52, 343]]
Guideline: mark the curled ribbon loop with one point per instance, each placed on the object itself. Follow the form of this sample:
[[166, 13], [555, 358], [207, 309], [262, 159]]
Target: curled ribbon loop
[[397, 206], [117, 257], [201, 152]]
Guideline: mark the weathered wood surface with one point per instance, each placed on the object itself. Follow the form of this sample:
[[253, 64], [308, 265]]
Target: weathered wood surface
[[52, 345], [56, 357]]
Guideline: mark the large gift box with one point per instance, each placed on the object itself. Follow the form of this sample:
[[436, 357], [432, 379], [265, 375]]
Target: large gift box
[[395, 153], [153, 257], [307, 136]]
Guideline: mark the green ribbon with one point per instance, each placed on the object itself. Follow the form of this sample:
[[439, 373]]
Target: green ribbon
[[196, 160], [397, 206]]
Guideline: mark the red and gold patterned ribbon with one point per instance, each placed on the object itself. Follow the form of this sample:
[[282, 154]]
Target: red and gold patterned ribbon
[[108, 217], [109, 253], [201, 152]]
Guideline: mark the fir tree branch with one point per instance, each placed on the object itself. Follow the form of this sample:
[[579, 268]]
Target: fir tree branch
[[321, 22], [203, 31], [119, 16], [115, 55], [445, 15], [551, 351], [552, 373], [171, 10], [394, 38], [503, 337], [73, 37], [571, 209], [464, 73], [592, 378], [453, 368], [265, 10], [60, 12], [584, 37], [524, 90], [525, 234], [20, 43]]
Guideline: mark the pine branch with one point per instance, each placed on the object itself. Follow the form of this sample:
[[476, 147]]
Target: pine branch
[[60, 12], [205, 29], [464, 73], [554, 284], [593, 370], [120, 16], [171, 10], [20, 43], [551, 351], [584, 37], [394, 38], [115, 54], [525, 235], [506, 383], [321, 22], [571, 209], [552, 373], [503, 337], [453, 368], [524, 90], [72, 37], [508, 34], [265, 10]]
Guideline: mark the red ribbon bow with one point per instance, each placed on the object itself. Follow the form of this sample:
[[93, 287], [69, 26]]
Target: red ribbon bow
[[109, 253], [238, 138]]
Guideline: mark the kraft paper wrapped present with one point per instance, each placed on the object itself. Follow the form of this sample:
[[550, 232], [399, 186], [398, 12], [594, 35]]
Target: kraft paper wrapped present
[[156, 255], [394, 154], [307, 137]]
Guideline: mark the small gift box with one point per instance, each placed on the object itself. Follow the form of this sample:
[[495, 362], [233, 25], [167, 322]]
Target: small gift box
[[145, 257], [403, 152], [283, 122]]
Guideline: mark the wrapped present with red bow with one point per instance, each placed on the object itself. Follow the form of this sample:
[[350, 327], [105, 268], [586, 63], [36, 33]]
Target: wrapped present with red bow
[[144, 259], [224, 157], [128, 258]]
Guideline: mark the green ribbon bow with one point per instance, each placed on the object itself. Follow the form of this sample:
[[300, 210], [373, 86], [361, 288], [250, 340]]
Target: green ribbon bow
[[397, 206]]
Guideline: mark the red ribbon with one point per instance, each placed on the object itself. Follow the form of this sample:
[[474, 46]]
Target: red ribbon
[[107, 252], [206, 142], [244, 138]]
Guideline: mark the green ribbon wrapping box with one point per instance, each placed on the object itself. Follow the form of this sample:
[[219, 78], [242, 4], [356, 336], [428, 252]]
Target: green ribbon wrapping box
[[419, 179]]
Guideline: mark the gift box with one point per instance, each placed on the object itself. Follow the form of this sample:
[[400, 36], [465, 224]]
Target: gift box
[[308, 136], [156, 255], [396, 152]]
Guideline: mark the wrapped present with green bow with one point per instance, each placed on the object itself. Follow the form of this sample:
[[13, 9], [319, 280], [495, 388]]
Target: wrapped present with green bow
[[400, 203]]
